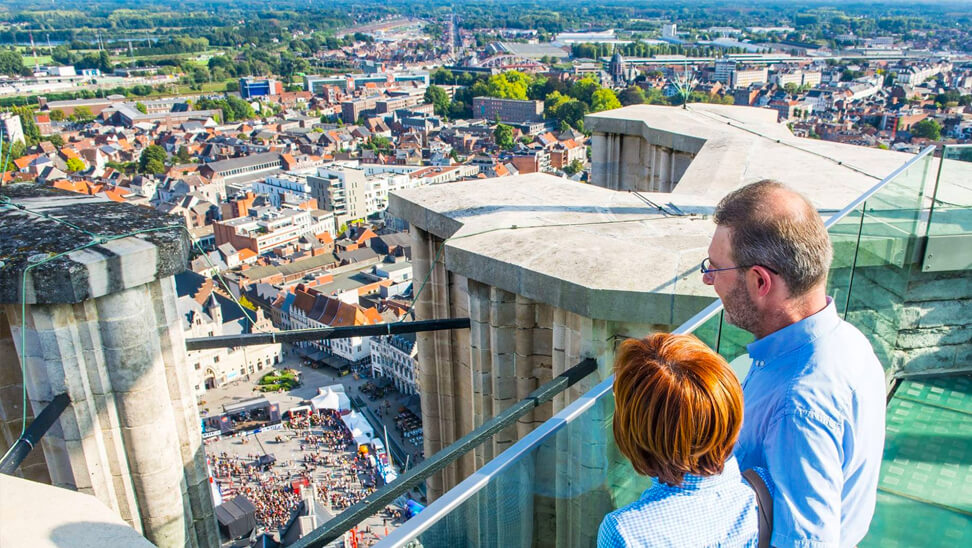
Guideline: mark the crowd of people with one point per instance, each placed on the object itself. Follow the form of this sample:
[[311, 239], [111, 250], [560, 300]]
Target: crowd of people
[[328, 461], [270, 492]]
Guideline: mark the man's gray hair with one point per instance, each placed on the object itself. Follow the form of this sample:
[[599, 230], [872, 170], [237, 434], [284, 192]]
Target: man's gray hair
[[790, 240]]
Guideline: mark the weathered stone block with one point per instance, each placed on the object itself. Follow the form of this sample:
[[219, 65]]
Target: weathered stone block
[[924, 359], [953, 312], [504, 392], [502, 341], [542, 342], [502, 314], [940, 288], [937, 336]]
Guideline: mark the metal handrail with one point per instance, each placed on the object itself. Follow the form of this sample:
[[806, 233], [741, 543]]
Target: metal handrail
[[32, 435], [471, 485], [375, 502], [316, 334]]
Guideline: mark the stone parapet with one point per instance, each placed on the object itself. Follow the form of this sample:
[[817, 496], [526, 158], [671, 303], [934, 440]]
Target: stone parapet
[[96, 317]]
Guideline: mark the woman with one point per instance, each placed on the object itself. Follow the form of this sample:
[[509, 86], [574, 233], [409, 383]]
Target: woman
[[678, 409]]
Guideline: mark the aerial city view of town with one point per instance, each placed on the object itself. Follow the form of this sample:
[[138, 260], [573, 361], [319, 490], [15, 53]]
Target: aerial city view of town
[[275, 135]]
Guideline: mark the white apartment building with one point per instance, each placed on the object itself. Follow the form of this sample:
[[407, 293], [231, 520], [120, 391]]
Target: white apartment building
[[11, 129], [395, 357], [267, 227], [355, 192], [918, 73], [799, 77], [290, 188]]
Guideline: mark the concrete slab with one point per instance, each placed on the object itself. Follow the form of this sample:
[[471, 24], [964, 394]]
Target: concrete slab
[[735, 145], [42, 516], [596, 252]]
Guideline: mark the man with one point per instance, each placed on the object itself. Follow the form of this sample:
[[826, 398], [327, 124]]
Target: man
[[814, 397]]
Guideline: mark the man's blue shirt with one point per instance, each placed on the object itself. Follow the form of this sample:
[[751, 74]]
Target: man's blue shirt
[[703, 511], [814, 403]]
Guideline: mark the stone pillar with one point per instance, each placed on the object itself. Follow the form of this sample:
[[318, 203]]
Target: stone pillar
[[481, 363], [502, 326], [101, 324], [606, 165]]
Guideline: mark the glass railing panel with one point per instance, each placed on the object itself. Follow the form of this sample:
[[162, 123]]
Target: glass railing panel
[[555, 494], [882, 266], [844, 236], [952, 208]]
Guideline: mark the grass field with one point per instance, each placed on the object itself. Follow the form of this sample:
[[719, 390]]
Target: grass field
[[125, 58]]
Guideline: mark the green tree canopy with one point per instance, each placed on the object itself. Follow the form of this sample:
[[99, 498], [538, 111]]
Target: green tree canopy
[[82, 114], [583, 89], [152, 160], [604, 99], [573, 167], [438, 98], [503, 135], [29, 125], [140, 106], [75, 165], [512, 84], [11, 62], [632, 95], [927, 129]]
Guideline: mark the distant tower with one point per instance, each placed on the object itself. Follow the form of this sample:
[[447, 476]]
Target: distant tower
[[616, 69]]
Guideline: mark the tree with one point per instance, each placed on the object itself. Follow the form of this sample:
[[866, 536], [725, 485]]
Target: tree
[[574, 167], [57, 115], [152, 160], [82, 114], [11, 62], [604, 99], [927, 129], [16, 150], [438, 98], [632, 95], [583, 89], [140, 106], [503, 136], [183, 155], [56, 140], [75, 165], [512, 84]]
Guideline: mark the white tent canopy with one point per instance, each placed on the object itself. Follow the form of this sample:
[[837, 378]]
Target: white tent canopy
[[361, 431], [331, 397]]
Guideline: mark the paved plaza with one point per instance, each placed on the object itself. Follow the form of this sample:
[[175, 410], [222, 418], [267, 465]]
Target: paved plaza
[[317, 453]]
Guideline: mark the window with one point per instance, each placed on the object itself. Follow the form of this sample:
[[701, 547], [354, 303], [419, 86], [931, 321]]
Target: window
[[197, 366], [216, 359]]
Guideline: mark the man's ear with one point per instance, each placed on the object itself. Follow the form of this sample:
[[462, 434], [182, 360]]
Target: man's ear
[[761, 281]]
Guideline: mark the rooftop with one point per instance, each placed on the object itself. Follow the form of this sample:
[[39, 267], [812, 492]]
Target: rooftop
[[734, 146], [509, 228]]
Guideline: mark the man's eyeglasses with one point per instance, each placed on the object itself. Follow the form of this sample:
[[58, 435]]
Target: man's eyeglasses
[[706, 267]]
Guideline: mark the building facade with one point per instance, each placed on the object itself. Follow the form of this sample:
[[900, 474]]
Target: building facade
[[265, 228], [394, 357], [215, 367], [507, 110]]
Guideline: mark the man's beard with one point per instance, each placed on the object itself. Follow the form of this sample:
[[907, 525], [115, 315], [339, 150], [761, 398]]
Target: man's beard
[[739, 307]]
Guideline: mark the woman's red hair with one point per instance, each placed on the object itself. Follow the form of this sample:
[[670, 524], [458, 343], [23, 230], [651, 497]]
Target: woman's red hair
[[678, 407]]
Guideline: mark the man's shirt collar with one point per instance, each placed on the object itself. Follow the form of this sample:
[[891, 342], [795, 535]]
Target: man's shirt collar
[[794, 335]]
